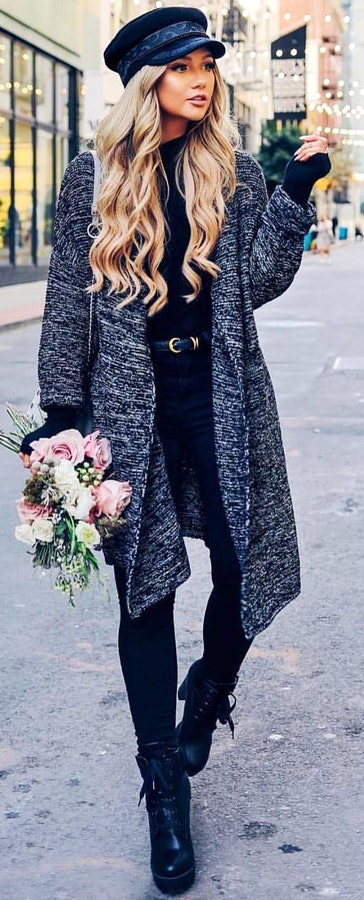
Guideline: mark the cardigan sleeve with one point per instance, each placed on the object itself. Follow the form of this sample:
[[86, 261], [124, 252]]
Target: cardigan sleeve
[[277, 228], [63, 351]]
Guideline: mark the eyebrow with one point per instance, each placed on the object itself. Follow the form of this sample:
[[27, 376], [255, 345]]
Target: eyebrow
[[206, 56]]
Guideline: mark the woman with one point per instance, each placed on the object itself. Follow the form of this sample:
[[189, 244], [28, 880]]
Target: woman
[[186, 249], [325, 237]]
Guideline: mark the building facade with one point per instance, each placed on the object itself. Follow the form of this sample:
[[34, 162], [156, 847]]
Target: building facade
[[324, 20], [42, 58]]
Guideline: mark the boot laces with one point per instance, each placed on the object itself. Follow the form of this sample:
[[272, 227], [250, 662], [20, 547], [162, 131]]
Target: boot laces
[[161, 801], [213, 706]]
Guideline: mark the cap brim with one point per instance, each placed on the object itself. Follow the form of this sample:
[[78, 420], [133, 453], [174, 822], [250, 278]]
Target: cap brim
[[184, 46]]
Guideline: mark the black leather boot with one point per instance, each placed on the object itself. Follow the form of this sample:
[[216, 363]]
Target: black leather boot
[[167, 792], [206, 703]]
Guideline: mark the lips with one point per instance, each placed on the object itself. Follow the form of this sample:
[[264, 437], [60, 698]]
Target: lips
[[198, 97]]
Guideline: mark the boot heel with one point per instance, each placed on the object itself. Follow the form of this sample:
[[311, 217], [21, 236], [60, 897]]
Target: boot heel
[[182, 690]]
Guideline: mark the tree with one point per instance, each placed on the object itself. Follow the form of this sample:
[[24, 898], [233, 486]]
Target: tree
[[277, 148]]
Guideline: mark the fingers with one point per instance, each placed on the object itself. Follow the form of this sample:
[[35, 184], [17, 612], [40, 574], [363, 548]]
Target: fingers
[[25, 460], [311, 144]]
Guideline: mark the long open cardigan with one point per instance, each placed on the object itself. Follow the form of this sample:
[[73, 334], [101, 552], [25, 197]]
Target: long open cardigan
[[258, 252]]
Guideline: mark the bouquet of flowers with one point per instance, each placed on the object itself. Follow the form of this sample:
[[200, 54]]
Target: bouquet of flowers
[[69, 507]]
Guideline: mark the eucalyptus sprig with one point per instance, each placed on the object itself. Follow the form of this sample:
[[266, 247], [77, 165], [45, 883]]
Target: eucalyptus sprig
[[23, 424]]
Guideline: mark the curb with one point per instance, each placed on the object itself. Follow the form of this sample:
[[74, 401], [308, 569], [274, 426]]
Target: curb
[[6, 326]]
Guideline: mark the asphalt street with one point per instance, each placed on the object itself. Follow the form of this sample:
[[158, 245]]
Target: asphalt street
[[279, 812]]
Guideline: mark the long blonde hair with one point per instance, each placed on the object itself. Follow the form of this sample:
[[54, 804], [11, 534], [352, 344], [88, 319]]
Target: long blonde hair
[[130, 245]]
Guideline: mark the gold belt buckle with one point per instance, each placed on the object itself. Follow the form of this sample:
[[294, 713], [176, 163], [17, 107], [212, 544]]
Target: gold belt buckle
[[171, 344], [172, 341]]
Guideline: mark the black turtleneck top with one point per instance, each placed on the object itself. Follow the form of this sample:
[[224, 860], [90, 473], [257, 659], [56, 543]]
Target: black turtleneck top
[[178, 318]]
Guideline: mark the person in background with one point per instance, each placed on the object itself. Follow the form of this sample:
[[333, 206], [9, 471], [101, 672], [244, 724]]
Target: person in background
[[334, 224], [188, 247], [325, 238]]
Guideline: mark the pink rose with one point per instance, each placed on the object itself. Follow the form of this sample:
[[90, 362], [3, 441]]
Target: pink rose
[[111, 497], [98, 449], [28, 512], [65, 445]]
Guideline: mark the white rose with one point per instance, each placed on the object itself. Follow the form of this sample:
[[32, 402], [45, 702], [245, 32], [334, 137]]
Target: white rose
[[43, 530], [87, 534], [65, 476], [25, 533], [79, 503]]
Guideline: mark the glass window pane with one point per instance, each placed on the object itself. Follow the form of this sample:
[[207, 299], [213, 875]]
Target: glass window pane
[[62, 159], [62, 97], [5, 83], [44, 194], [7, 217], [44, 88], [23, 192], [23, 79]]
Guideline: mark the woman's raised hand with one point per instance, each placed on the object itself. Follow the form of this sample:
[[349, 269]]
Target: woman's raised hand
[[311, 144], [300, 179]]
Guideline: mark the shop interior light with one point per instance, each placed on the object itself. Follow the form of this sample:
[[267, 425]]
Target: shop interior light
[[279, 53], [293, 52], [328, 18]]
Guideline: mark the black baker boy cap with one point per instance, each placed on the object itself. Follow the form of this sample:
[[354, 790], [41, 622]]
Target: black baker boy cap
[[158, 37]]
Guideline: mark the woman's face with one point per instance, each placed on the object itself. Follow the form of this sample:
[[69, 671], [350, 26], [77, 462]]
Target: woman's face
[[185, 90]]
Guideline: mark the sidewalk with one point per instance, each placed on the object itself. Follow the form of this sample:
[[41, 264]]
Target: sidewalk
[[21, 303]]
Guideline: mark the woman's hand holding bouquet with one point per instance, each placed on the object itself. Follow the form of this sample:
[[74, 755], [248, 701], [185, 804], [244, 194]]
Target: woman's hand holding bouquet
[[69, 507]]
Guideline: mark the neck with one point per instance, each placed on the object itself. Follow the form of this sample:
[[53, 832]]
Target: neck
[[172, 129]]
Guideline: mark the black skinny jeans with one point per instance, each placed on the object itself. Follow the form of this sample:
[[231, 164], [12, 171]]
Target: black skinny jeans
[[147, 645]]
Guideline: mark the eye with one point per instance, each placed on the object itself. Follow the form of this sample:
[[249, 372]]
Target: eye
[[178, 67], [210, 66]]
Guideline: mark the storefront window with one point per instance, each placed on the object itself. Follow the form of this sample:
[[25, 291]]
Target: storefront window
[[6, 212], [23, 192], [62, 97], [23, 79], [45, 209], [5, 83], [39, 119], [61, 160], [44, 89]]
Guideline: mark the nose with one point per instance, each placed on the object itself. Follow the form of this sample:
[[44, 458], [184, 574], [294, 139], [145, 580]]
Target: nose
[[199, 80]]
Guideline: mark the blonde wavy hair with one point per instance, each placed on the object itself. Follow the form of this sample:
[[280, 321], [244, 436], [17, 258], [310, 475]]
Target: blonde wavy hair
[[130, 245]]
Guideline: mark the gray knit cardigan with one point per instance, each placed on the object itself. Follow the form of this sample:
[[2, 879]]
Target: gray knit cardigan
[[258, 253]]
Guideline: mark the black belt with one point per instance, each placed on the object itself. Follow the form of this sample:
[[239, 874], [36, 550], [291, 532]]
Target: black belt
[[178, 345]]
